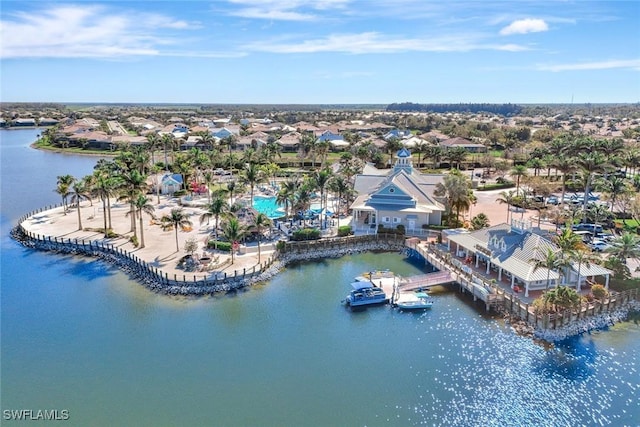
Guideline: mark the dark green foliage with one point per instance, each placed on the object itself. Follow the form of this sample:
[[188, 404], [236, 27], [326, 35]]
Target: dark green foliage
[[306, 234], [502, 109], [344, 230], [384, 230], [222, 246]]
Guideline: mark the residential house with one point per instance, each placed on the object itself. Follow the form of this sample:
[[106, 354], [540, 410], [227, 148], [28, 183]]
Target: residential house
[[24, 122], [471, 147], [396, 133], [289, 142], [169, 183], [255, 140], [401, 196]]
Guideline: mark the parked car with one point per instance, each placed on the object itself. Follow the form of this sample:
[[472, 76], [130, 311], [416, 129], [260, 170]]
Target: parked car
[[607, 237], [599, 245], [592, 228], [553, 200]]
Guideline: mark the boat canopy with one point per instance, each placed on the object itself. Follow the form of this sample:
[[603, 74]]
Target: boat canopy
[[361, 285]]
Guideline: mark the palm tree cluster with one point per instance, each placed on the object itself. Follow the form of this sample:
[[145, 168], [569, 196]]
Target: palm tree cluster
[[590, 162], [455, 190]]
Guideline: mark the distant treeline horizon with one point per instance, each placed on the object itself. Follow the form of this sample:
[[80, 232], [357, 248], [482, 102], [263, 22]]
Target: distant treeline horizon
[[503, 109], [500, 109]]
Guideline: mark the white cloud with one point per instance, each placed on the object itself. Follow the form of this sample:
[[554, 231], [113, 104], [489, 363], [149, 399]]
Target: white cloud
[[285, 10], [373, 42], [86, 32], [524, 26], [601, 65]]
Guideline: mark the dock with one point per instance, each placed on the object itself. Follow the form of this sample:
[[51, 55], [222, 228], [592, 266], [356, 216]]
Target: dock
[[424, 281], [460, 274]]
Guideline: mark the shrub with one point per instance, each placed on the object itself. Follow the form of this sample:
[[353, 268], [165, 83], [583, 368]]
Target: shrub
[[222, 246], [401, 229], [599, 292], [280, 245], [384, 230], [134, 240], [306, 234], [488, 187], [180, 193], [344, 230]]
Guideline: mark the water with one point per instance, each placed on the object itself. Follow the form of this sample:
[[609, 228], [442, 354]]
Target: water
[[268, 206], [78, 335]]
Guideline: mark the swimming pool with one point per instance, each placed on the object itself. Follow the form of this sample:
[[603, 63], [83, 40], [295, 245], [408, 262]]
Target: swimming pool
[[268, 206]]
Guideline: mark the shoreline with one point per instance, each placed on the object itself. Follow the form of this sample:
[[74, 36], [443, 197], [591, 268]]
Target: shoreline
[[79, 153], [158, 281], [154, 279]]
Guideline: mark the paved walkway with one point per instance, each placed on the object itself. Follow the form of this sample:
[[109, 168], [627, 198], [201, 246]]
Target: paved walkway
[[160, 246]]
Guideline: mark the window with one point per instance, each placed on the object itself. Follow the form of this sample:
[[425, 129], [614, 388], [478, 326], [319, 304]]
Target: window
[[386, 219], [396, 220], [392, 190]]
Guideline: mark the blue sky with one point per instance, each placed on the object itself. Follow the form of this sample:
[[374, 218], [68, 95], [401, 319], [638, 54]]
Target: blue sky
[[320, 51]]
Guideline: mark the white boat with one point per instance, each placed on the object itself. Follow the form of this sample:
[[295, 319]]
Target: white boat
[[366, 296], [411, 301]]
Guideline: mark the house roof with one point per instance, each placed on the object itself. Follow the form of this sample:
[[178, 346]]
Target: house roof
[[411, 184], [459, 142], [513, 251]]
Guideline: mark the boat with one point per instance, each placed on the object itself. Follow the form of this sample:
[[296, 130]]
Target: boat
[[366, 296], [411, 301]]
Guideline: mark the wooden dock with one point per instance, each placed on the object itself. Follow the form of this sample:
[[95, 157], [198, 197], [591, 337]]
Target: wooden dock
[[460, 274], [425, 281]]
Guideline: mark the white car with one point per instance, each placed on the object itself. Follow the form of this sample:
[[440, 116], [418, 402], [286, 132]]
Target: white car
[[599, 245]]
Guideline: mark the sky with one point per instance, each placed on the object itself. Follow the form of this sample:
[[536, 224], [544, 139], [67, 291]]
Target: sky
[[320, 51]]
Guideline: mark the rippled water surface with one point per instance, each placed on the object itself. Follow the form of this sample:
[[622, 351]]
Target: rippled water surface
[[78, 335]]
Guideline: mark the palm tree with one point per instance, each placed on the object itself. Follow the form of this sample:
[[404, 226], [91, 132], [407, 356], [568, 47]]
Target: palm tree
[[591, 162], [536, 164], [456, 155], [434, 152], [614, 186], [507, 198], [217, 208], [307, 146], [252, 175], [168, 141], [104, 187], [564, 164], [302, 199], [549, 259], [320, 180], [392, 146], [568, 243], [133, 184], [79, 192], [340, 186], [480, 221], [625, 246], [582, 257], [454, 188], [518, 172], [143, 204], [260, 222], [153, 142], [176, 219], [233, 231], [286, 194], [63, 185], [419, 147]]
